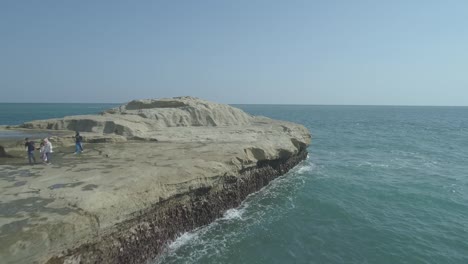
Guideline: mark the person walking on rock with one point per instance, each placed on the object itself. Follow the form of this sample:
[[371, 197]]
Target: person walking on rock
[[29, 145], [78, 144], [42, 152], [48, 150]]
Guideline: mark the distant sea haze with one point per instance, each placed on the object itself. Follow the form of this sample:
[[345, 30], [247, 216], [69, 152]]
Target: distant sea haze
[[382, 184]]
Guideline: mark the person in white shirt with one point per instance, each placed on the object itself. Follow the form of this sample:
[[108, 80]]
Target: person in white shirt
[[48, 149], [42, 151]]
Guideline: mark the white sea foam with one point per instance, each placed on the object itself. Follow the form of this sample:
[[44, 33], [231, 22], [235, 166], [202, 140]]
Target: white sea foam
[[306, 168], [235, 213], [373, 164], [182, 240]]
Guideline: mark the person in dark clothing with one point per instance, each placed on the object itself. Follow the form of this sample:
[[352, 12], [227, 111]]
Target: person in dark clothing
[[29, 145], [78, 144]]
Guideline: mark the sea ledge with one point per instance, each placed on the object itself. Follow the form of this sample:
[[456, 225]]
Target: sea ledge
[[142, 238], [150, 171]]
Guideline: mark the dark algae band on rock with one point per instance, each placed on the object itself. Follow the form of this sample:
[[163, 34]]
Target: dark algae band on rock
[[151, 170], [144, 237]]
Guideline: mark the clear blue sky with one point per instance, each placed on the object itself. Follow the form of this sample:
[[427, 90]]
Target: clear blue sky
[[292, 52]]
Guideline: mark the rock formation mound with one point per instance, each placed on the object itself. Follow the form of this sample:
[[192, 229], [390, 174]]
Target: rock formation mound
[[139, 117], [183, 111]]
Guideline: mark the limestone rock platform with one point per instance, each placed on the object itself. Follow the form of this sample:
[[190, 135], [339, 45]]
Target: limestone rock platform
[[151, 170]]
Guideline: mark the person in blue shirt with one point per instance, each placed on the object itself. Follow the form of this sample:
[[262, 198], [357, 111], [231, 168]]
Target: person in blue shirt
[[78, 144], [29, 145]]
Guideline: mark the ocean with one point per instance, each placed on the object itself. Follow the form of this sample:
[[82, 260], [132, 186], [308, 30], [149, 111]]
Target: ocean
[[381, 184]]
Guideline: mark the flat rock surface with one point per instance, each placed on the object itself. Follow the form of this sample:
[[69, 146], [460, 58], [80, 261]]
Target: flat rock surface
[[46, 209]]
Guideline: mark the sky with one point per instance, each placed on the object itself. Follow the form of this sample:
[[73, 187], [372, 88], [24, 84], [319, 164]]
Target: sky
[[358, 52]]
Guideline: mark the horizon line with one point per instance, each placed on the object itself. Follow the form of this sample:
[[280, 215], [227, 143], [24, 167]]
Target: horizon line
[[278, 104]]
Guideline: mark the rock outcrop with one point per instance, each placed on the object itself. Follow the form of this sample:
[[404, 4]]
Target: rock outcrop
[[140, 117], [3, 153], [151, 170]]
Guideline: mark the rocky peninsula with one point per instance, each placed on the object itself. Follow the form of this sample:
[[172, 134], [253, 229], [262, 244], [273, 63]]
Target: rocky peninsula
[[151, 170]]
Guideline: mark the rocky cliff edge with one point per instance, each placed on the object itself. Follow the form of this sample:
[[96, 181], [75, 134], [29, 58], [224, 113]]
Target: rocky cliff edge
[[151, 169]]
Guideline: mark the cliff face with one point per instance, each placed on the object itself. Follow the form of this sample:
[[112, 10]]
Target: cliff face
[[171, 165]]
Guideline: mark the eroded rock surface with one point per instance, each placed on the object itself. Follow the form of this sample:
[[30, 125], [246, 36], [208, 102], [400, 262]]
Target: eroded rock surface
[[140, 117], [166, 166]]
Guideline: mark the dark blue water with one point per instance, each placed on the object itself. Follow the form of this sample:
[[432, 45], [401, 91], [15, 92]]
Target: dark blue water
[[380, 185]]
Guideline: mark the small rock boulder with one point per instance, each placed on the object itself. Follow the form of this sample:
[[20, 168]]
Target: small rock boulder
[[3, 153]]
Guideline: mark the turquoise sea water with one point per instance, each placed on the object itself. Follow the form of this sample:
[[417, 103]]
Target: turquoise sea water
[[381, 185]]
